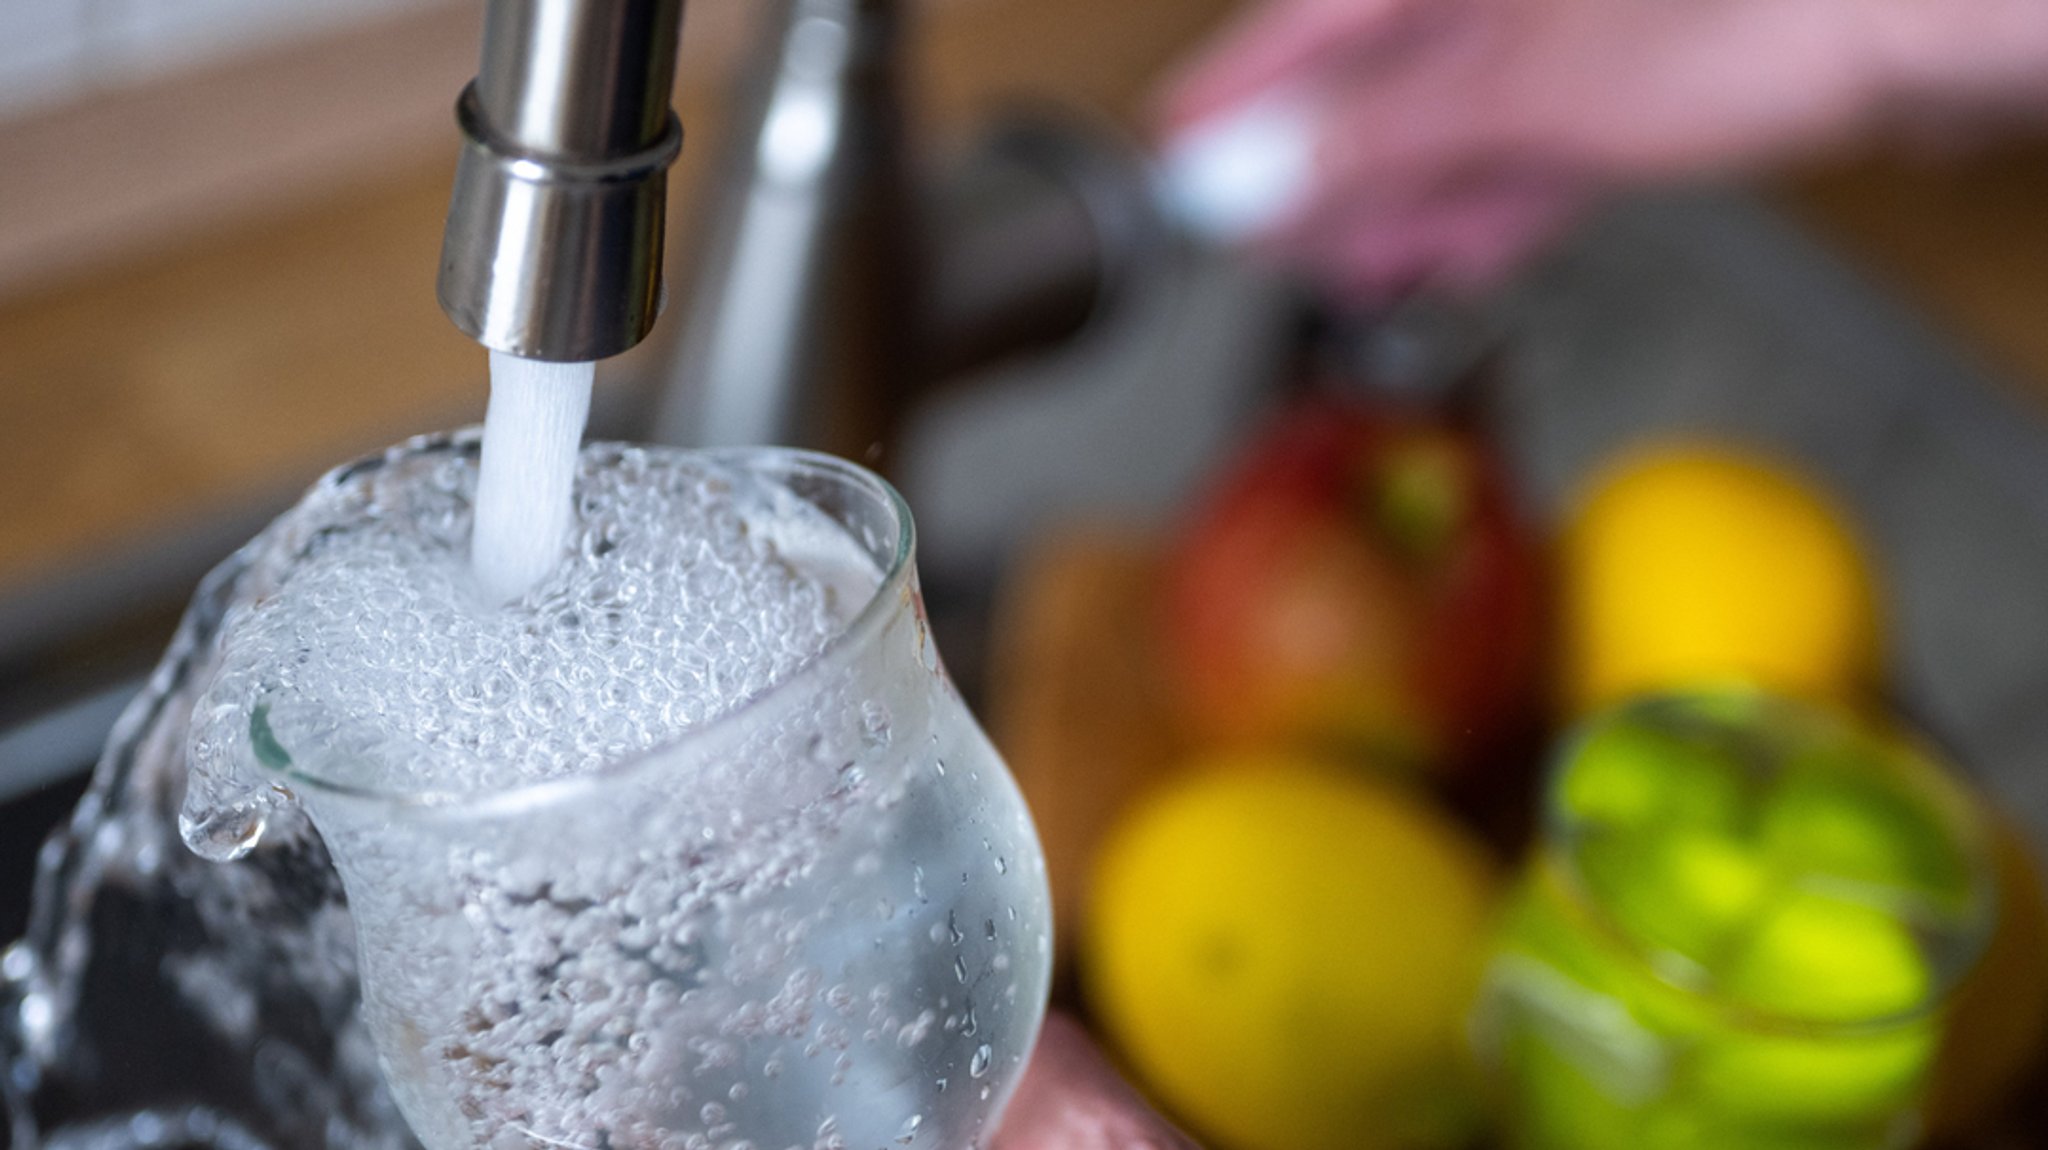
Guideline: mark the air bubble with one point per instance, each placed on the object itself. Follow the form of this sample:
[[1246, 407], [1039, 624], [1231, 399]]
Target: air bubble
[[381, 640]]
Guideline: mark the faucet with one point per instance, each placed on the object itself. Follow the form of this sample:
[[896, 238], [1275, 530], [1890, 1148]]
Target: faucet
[[834, 280], [554, 236], [828, 286]]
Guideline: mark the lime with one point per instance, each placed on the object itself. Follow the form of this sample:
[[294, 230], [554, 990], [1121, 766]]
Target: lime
[[1849, 812], [1684, 891], [1817, 958], [1630, 773]]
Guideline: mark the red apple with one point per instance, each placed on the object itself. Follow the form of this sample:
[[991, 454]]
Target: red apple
[[1358, 580]]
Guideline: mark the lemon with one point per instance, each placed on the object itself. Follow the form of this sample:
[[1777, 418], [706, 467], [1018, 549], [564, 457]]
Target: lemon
[[1689, 563], [1285, 955]]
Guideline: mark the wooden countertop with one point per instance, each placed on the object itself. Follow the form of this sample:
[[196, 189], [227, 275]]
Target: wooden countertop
[[254, 351]]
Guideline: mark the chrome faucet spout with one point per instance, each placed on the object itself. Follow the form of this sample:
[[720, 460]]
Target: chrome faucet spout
[[554, 237]]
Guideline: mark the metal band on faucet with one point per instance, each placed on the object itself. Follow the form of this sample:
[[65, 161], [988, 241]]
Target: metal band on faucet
[[554, 236]]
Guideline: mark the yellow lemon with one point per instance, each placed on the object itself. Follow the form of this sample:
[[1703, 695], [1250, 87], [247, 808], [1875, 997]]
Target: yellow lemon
[[1689, 563], [1285, 955]]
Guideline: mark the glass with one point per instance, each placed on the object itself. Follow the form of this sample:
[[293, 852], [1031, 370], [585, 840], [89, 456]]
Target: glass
[[819, 921], [1740, 929]]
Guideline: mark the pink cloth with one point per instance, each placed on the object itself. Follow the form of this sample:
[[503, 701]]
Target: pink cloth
[[1071, 1099]]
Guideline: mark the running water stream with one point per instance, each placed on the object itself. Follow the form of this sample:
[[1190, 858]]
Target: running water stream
[[523, 510]]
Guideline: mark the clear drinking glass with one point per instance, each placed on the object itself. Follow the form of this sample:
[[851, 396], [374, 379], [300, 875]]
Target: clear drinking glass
[[1741, 929], [820, 920]]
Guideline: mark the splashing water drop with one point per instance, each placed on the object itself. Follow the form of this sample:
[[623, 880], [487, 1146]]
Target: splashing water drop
[[224, 834]]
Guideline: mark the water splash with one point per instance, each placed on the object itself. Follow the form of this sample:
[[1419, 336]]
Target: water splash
[[159, 999]]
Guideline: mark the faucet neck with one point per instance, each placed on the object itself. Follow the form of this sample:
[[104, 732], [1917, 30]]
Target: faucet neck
[[553, 244], [582, 79]]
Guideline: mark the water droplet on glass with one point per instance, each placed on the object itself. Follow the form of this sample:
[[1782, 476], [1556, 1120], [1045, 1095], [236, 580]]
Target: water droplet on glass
[[224, 834], [37, 1015], [953, 929], [909, 1132], [916, 1030], [874, 725], [960, 969], [978, 1066]]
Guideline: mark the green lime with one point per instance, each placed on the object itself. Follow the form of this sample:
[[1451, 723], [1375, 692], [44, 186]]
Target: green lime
[[1787, 1079], [1628, 774], [1681, 890], [1818, 958], [1855, 813]]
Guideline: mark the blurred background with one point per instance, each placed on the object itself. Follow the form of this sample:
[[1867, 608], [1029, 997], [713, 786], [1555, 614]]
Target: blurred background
[[219, 225]]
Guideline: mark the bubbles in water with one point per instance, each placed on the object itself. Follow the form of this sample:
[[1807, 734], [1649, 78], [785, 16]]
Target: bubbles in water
[[675, 603]]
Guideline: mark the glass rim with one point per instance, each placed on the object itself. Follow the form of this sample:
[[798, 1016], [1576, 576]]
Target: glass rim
[[890, 595], [1554, 854]]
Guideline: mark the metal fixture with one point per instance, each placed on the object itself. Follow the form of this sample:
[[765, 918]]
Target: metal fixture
[[831, 285], [800, 275], [554, 237]]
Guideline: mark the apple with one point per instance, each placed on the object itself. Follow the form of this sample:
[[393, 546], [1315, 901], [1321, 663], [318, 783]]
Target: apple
[[1357, 580]]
